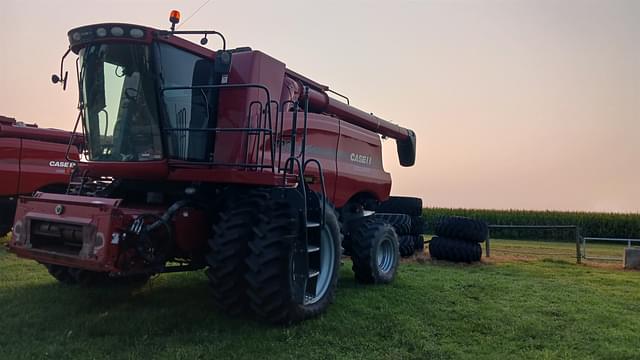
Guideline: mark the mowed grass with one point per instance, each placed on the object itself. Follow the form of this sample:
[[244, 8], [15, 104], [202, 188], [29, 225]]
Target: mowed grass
[[517, 309]]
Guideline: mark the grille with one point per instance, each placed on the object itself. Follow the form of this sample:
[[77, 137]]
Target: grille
[[56, 237]]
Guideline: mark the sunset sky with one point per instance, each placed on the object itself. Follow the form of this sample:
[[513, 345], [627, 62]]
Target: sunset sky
[[527, 104]]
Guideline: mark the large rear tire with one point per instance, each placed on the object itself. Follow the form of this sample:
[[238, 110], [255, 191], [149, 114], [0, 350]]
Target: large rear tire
[[418, 225], [7, 213], [270, 266], [376, 252], [407, 245], [229, 249], [419, 243], [400, 222], [463, 228], [454, 250], [401, 205]]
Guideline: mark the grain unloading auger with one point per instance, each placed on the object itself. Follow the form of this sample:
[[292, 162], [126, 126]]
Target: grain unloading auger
[[219, 160]]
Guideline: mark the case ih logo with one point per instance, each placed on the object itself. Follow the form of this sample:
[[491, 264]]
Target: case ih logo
[[62, 164], [360, 159]]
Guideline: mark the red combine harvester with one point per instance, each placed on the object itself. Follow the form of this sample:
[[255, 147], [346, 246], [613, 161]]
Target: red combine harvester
[[31, 159], [220, 160]]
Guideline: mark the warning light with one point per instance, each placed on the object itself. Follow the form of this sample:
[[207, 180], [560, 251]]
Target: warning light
[[174, 18]]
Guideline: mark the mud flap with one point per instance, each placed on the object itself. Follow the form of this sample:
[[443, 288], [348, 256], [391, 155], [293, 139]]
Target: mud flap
[[299, 261]]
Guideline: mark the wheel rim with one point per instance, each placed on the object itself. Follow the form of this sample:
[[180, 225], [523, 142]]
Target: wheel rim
[[385, 255], [317, 288]]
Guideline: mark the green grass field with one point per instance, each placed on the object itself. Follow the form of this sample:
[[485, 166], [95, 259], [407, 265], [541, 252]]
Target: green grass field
[[498, 309]]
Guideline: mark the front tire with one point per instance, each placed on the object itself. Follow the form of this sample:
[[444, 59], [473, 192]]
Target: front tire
[[61, 273], [4, 229], [270, 266], [229, 249], [87, 278], [376, 252]]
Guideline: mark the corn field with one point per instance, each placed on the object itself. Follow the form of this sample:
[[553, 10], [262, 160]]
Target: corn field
[[591, 224]]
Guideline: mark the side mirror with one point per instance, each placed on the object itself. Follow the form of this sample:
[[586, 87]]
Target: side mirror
[[407, 150], [56, 79]]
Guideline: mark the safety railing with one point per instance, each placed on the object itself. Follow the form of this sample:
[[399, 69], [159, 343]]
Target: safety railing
[[267, 136], [259, 139], [602, 239]]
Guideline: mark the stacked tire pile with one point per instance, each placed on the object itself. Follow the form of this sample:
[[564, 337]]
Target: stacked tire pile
[[405, 215], [458, 239]]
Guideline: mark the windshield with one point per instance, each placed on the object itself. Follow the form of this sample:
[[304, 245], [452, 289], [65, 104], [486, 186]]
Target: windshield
[[120, 109]]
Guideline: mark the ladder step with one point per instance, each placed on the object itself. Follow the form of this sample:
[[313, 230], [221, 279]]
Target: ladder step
[[313, 224], [313, 248], [313, 273]]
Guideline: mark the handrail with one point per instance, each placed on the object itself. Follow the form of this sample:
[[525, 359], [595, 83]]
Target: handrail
[[264, 111], [322, 185]]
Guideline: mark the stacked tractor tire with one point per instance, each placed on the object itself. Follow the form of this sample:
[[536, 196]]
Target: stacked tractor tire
[[458, 239], [404, 214]]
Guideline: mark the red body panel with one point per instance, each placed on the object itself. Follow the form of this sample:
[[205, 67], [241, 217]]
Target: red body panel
[[104, 223], [9, 166], [101, 219], [32, 158], [360, 165], [36, 170], [337, 145], [10, 128], [234, 110]]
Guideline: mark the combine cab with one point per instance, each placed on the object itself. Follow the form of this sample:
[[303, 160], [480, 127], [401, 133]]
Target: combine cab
[[220, 160]]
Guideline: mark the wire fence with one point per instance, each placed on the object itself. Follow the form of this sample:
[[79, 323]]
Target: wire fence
[[584, 255], [600, 248], [526, 251]]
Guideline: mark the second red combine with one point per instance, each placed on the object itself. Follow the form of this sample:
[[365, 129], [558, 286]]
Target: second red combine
[[220, 160]]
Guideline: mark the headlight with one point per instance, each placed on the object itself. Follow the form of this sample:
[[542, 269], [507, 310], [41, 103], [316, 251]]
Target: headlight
[[136, 33], [117, 31]]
